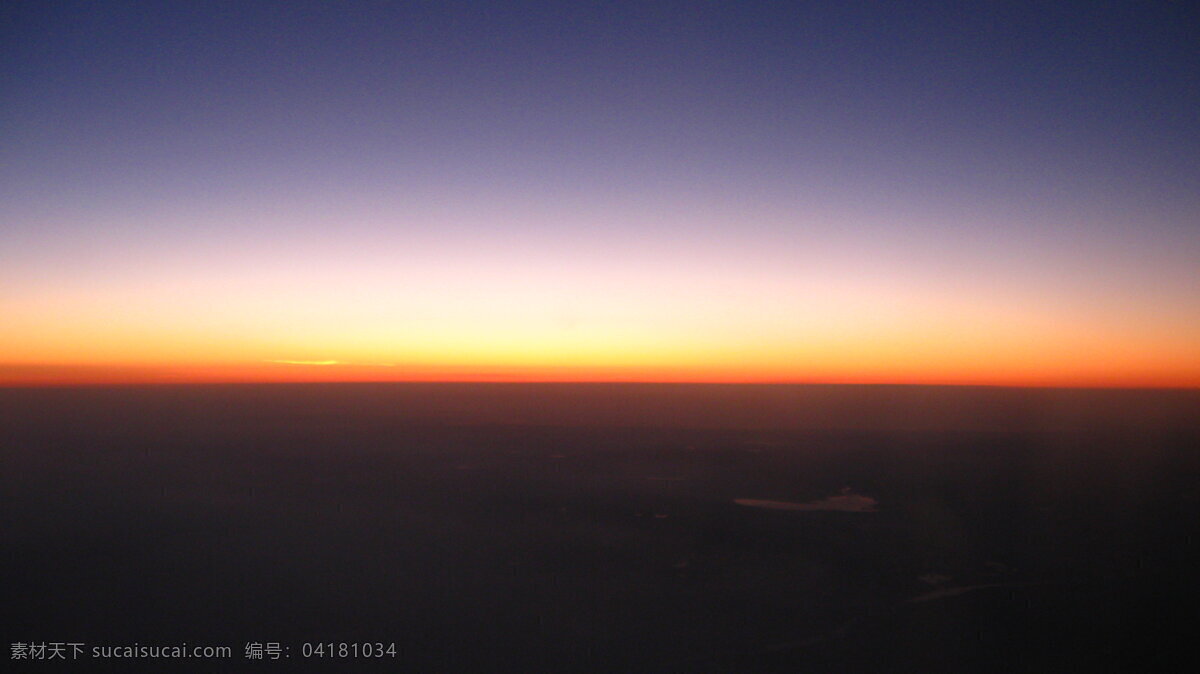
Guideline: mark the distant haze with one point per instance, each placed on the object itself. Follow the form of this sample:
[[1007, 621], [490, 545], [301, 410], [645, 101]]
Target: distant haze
[[366, 408]]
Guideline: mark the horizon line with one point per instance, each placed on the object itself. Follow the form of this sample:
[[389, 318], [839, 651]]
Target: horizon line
[[597, 382]]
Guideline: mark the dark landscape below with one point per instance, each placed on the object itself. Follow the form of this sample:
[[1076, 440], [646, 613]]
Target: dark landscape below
[[607, 527]]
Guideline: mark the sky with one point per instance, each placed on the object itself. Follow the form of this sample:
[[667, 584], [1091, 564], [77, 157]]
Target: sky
[[875, 192]]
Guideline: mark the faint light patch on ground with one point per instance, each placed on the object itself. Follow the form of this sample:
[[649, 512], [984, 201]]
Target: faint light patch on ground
[[944, 593], [846, 501]]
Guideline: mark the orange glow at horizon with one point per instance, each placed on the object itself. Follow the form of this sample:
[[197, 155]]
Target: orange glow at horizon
[[926, 351], [59, 376], [550, 313], [1023, 374]]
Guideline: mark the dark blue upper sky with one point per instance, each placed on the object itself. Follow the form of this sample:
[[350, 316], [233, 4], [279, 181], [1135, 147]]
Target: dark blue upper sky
[[1091, 96]]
